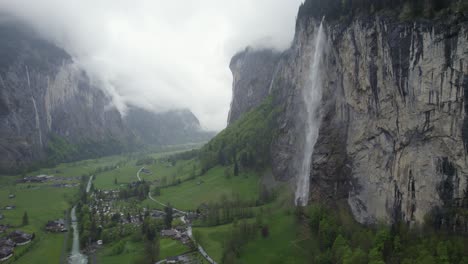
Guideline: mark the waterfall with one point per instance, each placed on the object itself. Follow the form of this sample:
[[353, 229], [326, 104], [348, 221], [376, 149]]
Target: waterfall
[[38, 121], [312, 95], [76, 257], [273, 79]]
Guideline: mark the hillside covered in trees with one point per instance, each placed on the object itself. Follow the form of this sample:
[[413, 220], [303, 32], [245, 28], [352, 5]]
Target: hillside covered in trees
[[336, 9]]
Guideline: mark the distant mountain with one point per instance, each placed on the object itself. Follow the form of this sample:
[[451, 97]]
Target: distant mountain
[[169, 128], [51, 111]]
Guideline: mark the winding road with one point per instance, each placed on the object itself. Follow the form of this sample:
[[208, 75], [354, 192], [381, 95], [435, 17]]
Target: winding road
[[189, 227]]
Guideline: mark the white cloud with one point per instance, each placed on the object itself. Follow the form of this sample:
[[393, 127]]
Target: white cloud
[[162, 54]]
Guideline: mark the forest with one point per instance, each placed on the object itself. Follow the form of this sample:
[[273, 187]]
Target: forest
[[405, 9]]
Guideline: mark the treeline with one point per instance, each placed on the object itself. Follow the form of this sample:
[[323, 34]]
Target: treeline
[[338, 239], [335, 9], [240, 235], [145, 161], [244, 144], [139, 190], [186, 155], [231, 209], [60, 150]]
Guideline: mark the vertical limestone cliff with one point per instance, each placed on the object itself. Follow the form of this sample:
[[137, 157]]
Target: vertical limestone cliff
[[43, 95], [253, 71], [394, 130]]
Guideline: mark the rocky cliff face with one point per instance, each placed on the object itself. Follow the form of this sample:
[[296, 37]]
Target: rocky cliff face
[[393, 128], [253, 72], [43, 93], [46, 100]]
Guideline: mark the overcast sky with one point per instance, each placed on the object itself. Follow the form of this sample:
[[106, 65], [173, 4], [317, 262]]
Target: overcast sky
[[162, 54]]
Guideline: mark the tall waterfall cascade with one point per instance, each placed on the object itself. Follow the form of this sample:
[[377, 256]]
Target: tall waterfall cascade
[[312, 96]]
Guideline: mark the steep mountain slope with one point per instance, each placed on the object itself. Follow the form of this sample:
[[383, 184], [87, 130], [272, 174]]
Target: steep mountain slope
[[253, 71], [44, 95], [392, 136], [51, 111]]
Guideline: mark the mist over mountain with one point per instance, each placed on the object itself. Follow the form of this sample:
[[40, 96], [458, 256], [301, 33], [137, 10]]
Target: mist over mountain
[[51, 110], [346, 138]]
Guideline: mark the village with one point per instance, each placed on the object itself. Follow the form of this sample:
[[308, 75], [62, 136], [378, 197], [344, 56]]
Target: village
[[120, 207]]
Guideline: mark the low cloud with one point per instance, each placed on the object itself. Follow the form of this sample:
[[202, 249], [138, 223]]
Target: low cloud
[[162, 54]]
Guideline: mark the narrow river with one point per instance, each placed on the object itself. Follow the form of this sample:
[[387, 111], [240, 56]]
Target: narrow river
[[76, 256]]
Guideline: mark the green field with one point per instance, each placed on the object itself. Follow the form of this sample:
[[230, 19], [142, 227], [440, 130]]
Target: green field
[[75, 169], [209, 188], [48, 247], [131, 252], [126, 173], [170, 248], [283, 245], [42, 203], [211, 239]]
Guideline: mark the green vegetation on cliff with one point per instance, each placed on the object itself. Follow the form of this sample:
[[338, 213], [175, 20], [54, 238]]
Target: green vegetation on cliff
[[244, 144], [405, 9]]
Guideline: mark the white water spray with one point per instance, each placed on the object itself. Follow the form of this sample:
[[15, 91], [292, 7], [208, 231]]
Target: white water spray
[[38, 121], [312, 95]]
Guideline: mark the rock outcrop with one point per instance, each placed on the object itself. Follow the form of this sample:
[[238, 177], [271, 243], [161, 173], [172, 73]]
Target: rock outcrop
[[253, 72], [393, 136]]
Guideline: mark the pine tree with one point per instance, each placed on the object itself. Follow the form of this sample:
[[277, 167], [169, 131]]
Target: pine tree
[[168, 217], [25, 219], [236, 168]]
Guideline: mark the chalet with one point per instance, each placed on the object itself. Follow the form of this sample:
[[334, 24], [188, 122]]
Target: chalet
[[3, 228], [1, 216], [172, 260], [157, 214], [181, 228], [20, 238], [11, 196], [10, 207], [6, 253], [56, 226], [5, 242], [168, 233]]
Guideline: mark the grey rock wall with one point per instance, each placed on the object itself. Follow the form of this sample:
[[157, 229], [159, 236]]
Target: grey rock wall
[[44, 93], [394, 131], [253, 72]]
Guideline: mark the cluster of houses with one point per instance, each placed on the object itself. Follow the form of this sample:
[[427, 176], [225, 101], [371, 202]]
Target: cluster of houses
[[179, 233], [179, 259], [15, 238], [59, 182], [56, 226], [65, 185], [35, 179]]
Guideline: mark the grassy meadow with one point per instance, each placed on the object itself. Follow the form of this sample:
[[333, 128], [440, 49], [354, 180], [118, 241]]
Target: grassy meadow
[[210, 187]]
